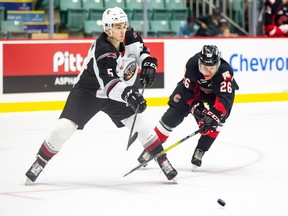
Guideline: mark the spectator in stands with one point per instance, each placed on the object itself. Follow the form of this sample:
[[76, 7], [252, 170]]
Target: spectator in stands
[[188, 28], [210, 25], [225, 30], [276, 18]]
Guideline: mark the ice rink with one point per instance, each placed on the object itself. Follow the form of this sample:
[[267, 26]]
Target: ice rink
[[247, 167]]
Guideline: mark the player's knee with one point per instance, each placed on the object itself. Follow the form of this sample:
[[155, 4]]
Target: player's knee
[[60, 134]]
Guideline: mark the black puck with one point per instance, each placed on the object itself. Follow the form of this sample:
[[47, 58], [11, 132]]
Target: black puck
[[221, 202]]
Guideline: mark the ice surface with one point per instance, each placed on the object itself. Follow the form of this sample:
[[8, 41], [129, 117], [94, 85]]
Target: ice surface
[[246, 167]]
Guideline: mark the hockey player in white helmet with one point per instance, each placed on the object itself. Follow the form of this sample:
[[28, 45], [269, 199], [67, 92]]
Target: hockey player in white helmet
[[107, 84]]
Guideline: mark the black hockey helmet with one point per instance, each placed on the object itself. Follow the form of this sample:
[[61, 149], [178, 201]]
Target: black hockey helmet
[[209, 55]]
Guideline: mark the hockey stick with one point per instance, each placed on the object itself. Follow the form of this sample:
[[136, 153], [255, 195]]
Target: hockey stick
[[163, 151], [133, 137]]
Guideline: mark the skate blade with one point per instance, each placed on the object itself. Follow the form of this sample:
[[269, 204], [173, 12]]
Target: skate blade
[[28, 182], [194, 168], [174, 180]]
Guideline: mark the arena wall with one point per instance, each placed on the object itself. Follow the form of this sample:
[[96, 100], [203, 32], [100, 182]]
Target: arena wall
[[37, 74]]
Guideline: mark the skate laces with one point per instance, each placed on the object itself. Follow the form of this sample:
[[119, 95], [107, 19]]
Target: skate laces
[[36, 168], [165, 165]]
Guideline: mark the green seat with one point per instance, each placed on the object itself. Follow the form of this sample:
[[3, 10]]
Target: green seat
[[157, 10], [92, 28], [2, 13], [64, 5], [12, 26], [177, 9], [44, 4], [134, 9], [13, 29], [95, 14], [75, 20], [94, 9], [138, 25], [175, 25], [162, 28], [115, 3]]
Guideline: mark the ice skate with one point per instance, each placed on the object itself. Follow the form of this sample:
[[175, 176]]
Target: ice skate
[[144, 157], [167, 168], [197, 158], [35, 170]]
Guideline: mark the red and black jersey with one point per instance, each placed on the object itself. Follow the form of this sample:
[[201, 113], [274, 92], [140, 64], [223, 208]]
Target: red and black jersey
[[275, 15], [109, 71], [222, 85]]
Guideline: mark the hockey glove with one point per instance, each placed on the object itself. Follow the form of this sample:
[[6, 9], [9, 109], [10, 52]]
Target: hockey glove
[[197, 110], [134, 99], [148, 71], [209, 122], [284, 28]]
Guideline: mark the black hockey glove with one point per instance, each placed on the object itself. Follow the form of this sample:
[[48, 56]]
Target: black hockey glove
[[197, 110], [210, 121], [148, 71], [134, 99]]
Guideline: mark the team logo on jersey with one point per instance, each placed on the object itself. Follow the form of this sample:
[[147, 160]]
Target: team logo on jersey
[[130, 71], [177, 98]]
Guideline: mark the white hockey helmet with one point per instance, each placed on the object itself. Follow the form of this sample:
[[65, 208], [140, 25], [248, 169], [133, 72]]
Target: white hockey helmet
[[112, 16]]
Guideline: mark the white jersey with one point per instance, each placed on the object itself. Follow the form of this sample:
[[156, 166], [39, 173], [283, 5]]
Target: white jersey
[[109, 71]]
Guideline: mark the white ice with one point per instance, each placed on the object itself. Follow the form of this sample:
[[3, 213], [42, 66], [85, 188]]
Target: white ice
[[247, 167]]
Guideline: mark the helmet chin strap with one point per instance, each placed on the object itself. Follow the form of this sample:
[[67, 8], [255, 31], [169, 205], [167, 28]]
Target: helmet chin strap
[[111, 37]]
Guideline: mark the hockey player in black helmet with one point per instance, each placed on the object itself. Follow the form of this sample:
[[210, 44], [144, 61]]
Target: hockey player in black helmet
[[208, 79]]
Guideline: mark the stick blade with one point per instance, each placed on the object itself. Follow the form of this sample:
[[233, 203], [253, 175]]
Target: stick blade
[[131, 140]]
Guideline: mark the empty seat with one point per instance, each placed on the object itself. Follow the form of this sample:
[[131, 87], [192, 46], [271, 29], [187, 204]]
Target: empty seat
[[134, 9], [75, 20], [162, 28], [92, 28], [178, 9], [139, 26], [12, 26], [13, 29], [44, 4], [114, 3], [175, 25], [64, 5], [2, 13], [94, 9], [157, 10]]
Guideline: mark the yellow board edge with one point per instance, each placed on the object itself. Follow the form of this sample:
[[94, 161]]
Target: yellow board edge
[[159, 101]]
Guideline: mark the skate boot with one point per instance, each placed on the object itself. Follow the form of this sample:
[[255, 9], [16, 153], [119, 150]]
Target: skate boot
[[35, 170], [197, 158], [144, 157], [166, 167]]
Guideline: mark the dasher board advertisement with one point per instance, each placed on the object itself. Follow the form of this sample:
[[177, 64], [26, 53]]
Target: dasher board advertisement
[[51, 67]]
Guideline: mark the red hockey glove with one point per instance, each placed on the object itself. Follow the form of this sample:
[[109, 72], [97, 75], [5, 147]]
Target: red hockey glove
[[134, 98], [148, 71]]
